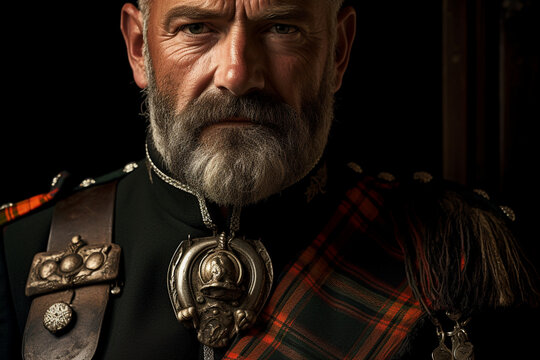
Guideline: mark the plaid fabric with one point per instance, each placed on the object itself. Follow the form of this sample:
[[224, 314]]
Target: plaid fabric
[[24, 207], [346, 296]]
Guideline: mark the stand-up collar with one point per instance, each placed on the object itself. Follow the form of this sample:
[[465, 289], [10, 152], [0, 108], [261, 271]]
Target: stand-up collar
[[291, 208]]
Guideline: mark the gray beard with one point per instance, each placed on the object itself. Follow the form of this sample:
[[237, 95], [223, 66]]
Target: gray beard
[[239, 165]]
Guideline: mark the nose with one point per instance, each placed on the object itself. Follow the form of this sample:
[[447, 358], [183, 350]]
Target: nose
[[240, 64]]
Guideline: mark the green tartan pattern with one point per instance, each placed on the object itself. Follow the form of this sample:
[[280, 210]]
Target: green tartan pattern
[[328, 305]]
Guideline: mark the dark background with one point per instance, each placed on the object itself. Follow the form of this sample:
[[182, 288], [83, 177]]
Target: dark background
[[70, 102]]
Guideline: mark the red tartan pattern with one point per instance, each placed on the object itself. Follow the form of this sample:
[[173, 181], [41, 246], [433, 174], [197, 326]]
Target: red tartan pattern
[[24, 207], [326, 307]]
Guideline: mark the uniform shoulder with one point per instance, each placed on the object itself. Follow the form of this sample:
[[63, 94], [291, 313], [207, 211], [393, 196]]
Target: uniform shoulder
[[423, 190], [62, 185], [460, 244], [462, 254], [461, 247], [12, 211]]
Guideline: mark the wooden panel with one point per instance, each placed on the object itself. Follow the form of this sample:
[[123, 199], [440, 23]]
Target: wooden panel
[[454, 104]]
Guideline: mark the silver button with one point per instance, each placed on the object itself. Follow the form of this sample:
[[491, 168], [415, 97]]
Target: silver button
[[87, 182], [355, 167], [482, 193], [423, 177], [130, 167], [54, 181], [5, 206], [386, 176], [508, 212]]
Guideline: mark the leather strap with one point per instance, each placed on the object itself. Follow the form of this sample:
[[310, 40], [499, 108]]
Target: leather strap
[[88, 214]]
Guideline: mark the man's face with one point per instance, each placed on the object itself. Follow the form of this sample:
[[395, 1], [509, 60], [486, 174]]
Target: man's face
[[240, 92], [242, 46]]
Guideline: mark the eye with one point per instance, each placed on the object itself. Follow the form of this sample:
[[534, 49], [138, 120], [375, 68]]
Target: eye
[[195, 29], [284, 29]]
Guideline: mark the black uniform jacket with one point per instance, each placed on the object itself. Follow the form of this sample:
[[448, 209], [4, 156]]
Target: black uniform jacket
[[152, 218]]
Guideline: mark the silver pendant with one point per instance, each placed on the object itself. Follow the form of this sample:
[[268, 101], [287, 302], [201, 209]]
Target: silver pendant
[[441, 352], [462, 348], [219, 285]]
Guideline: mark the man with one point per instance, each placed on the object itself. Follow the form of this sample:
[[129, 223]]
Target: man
[[264, 248]]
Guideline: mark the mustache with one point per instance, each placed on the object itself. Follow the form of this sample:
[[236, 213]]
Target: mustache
[[259, 108]]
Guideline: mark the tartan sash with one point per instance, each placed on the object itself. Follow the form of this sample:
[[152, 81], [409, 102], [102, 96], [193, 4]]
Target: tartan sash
[[345, 297], [26, 206], [13, 211]]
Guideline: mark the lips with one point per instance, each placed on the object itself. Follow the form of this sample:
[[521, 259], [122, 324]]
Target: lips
[[226, 123], [233, 121]]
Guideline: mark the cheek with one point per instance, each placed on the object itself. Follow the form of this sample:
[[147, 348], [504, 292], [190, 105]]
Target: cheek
[[297, 67], [296, 76], [183, 74]]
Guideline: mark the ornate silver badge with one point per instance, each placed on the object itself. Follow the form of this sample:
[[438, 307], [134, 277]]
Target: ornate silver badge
[[219, 285], [79, 264]]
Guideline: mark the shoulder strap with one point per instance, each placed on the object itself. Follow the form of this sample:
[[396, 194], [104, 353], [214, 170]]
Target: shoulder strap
[[10, 211], [79, 258]]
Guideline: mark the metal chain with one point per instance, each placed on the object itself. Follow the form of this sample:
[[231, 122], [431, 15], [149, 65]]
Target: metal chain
[[207, 219], [208, 353], [235, 220]]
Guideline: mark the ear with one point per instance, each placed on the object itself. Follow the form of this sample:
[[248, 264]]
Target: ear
[[131, 24], [346, 31]]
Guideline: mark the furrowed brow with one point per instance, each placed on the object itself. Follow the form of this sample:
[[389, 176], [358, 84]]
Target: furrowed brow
[[189, 12], [292, 12]]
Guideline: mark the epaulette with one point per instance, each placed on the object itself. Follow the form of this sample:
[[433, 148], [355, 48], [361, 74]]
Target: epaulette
[[424, 182], [460, 253], [12, 211], [88, 182]]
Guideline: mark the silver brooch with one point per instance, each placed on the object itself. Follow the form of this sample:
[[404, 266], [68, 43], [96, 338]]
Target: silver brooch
[[219, 285]]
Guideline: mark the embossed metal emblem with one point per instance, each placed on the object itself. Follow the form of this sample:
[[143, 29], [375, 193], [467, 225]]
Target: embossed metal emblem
[[79, 264], [219, 285]]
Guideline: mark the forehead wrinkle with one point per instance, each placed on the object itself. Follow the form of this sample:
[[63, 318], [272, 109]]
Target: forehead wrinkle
[[278, 9], [198, 11], [285, 13], [244, 9]]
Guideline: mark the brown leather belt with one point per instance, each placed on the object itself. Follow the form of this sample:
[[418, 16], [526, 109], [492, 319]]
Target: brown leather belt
[[76, 273]]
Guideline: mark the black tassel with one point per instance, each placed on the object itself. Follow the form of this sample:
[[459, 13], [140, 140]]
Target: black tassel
[[460, 255]]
